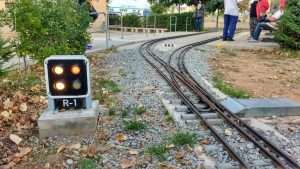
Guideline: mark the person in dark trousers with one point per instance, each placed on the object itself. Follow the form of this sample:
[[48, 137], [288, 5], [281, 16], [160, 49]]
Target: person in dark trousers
[[199, 14], [230, 19], [253, 17]]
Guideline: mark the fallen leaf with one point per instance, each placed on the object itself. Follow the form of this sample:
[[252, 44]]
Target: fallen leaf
[[92, 150], [179, 155], [23, 152], [23, 107], [125, 163], [15, 138], [205, 142], [199, 150], [7, 104], [170, 146], [133, 152], [6, 114], [121, 137], [75, 146], [61, 149]]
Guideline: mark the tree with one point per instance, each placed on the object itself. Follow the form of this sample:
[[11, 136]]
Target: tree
[[168, 3], [213, 6], [50, 27], [156, 8], [288, 34]]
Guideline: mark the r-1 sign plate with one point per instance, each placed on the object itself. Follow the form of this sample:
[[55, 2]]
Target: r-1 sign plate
[[69, 103]]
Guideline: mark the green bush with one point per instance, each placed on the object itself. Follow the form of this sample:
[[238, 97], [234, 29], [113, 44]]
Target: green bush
[[288, 34], [50, 27], [162, 21], [5, 53], [132, 20]]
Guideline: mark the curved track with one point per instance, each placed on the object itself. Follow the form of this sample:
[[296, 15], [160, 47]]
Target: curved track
[[178, 78]]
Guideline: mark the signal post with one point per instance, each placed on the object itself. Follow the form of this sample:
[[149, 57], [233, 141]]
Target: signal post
[[71, 111]]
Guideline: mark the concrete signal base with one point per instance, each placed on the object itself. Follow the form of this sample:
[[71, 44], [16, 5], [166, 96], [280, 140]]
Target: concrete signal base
[[69, 123]]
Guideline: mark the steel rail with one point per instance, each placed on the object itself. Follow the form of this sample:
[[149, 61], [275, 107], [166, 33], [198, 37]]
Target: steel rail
[[228, 116], [271, 150], [194, 109]]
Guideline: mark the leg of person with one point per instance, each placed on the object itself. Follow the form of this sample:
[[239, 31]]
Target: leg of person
[[226, 26], [198, 24], [258, 29], [253, 23], [232, 26]]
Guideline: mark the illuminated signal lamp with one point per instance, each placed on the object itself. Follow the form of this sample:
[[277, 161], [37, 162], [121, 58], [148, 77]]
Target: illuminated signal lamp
[[68, 82]]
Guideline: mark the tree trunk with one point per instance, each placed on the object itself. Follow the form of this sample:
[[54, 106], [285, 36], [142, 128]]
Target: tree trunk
[[217, 24], [179, 10]]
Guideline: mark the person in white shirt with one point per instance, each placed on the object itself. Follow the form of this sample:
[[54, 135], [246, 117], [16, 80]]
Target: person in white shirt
[[230, 19]]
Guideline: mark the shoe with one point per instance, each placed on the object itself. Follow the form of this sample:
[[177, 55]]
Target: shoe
[[230, 39], [252, 40], [224, 39]]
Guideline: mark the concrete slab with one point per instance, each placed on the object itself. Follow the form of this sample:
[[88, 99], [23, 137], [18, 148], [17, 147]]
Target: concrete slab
[[269, 107], [232, 105], [241, 42], [71, 123]]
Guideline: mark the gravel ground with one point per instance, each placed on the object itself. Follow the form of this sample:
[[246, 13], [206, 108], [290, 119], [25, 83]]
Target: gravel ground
[[139, 83]]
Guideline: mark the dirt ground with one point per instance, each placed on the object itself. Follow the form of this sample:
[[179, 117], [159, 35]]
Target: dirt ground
[[263, 73]]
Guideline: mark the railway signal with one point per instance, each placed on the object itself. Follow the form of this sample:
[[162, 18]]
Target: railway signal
[[68, 82]]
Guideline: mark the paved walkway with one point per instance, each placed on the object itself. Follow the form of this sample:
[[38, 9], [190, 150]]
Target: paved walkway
[[99, 39], [241, 42]]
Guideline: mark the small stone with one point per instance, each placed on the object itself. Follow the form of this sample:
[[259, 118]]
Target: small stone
[[75, 146], [15, 138], [228, 132]]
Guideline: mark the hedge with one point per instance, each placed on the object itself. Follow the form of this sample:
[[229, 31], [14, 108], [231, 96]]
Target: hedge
[[162, 21]]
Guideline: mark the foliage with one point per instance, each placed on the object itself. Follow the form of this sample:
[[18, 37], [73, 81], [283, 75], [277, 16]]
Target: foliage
[[288, 34], [229, 90], [213, 5], [87, 164], [157, 8], [168, 117], [139, 110], [183, 138], [134, 125], [108, 85], [49, 27], [162, 21], [6, 52], [157, 150], [132, 20]]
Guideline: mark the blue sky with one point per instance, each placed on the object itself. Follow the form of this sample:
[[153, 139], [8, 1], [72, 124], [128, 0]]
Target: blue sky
[[130, 3]]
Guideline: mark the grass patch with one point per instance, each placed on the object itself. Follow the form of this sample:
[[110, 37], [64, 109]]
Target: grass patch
[[29, 81], [87, 164], [112, 111], [168, 117], [134, 125], [158, 150], [228, 52], [183, 138], [139, 110], [108, 85], [125, 112], [229, 90]]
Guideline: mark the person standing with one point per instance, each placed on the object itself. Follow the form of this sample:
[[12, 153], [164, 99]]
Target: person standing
[[230, 19], [199, 14], [253, 17]]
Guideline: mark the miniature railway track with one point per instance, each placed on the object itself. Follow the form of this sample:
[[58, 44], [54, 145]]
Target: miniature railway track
[[180, 76]]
